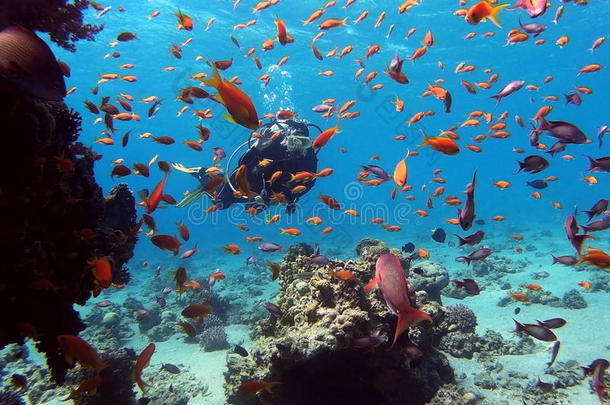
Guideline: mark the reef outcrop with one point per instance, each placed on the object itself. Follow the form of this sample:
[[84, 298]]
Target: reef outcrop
[[329, 344], [54, 221], [61, 19]]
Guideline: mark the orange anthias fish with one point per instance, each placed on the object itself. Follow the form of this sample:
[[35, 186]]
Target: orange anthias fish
[[152, 201], [401, 172], [76, 350], [598, 259], [441, 144], [184, 21], [141, 363], [483, 10], [238, 104], [89, 386], [243, 185], [102, 271], [325, 136]]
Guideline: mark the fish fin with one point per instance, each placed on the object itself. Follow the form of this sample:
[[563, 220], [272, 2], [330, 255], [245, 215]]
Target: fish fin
[[215, 81], [143, 194], [426, 139], [270, 386], [408, 317], [371, 285], [229, 118], [494, 15]]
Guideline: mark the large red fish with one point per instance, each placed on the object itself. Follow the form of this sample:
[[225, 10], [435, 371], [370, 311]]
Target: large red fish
[[238, 104], [390, 279], [141, 363]]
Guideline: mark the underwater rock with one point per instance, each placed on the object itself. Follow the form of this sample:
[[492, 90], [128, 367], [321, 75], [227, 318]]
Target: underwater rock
[[574, 300], [460, 323], [54, 222], [567, 374], [371, 247], [429, 276], [485, 381], [495, 266], [10, 398], [63, 20], [117, 385], [492, 345], [299, 249], [311, 347]]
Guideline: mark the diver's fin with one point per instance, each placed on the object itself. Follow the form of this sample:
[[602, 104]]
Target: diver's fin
[[192, 196], [180, 167]]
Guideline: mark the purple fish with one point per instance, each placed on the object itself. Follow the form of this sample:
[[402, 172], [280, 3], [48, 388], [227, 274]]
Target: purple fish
[[553, 323], [390, 279], [251, 261], [564, 131], [573, 98], [533, 28], [167, 290], [554, 353], [322, 108], [509, 89], [599, 225], [395, 64], [597, 369], [536, 331], [466, 214], [219, 153], [318, 260], [476, 256], [599, 165], [533, 164], [565, 260], [189, 253], [557, 147], [377, 172], [601, 131], [472, 239], [104, 304], [273, 309], [598, 208], [269, 247], [469, 285]]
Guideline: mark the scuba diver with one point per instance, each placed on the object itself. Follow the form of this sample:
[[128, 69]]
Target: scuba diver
[[264, 172]]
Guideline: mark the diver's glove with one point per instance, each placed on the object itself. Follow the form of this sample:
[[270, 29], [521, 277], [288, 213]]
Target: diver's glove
[[184, 169]]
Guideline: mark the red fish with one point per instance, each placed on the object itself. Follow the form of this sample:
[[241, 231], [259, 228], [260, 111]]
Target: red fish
[[239, 106], [76, 350], [166, 242], [391, 280], [152, 201], [141, 363]]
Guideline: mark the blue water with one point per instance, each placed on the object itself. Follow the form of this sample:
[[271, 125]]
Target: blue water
[[298, 86]]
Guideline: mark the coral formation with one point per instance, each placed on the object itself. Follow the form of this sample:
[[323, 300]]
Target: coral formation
[[573, 300], [324, 341], [57, 222], [10, 398], [429, 276], [213, 335], [63, 20]]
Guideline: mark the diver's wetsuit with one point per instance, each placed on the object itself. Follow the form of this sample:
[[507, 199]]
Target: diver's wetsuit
[[283, 156]]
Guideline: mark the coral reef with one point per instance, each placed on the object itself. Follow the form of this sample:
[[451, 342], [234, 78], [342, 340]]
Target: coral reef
[[429, 276], [213, 335], [117, 386], [55, 220], [315, 350], [168, 388], [573, 300], [63, 20]]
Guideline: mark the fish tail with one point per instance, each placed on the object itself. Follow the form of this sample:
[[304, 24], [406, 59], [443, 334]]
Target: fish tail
[[426, 140], [592, 163], [461, 241], [408, 317], [555, 259], [344, 21], [494, 15]]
